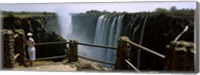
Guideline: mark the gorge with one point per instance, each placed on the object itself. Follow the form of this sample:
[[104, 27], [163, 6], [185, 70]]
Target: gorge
[[153, 30]]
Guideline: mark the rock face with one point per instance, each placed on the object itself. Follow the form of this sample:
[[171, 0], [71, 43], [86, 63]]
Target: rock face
[[153, 30], [19, 46], [8, 49], [44, 27], [180, 56]]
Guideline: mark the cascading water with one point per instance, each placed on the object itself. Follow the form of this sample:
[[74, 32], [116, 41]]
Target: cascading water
[[141, 40], [65, 23], [98, 39], [108, 30], [114, 34], [135, 31]]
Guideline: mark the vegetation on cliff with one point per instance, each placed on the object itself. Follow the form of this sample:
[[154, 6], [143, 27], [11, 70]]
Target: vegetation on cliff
[[43, 25]]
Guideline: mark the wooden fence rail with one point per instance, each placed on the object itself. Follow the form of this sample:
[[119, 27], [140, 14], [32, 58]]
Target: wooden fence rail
[[101, 46], [48, 58], [72, 46], [144, 48], [16, 56], [129, 63], [122, 57], [80, 43], [47, 43]]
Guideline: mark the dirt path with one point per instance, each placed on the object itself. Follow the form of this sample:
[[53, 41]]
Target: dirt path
[[81, 65], [47, 66]]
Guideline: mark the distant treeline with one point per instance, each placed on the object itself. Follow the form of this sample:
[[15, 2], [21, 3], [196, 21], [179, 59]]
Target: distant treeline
[[25, 14], [172, 10]]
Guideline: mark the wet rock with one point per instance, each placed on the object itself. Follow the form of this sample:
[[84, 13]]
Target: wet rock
[[180, 56], [159, 30], [19, 46], [44, 28], [8, 49]]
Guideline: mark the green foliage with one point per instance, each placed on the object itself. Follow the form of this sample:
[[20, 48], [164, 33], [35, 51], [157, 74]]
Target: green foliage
[[10, 14], [25, 14], [173, 8], [161, 10], [44, 13]]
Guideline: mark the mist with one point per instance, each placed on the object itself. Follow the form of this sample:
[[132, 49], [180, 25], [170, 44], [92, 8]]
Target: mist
[[65, 23], [66, 29]]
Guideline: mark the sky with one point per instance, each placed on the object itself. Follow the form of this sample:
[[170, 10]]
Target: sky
[[83, 7]]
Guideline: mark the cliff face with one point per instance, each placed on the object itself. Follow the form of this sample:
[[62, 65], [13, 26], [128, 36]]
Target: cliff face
[[45, 28], [153, 30]]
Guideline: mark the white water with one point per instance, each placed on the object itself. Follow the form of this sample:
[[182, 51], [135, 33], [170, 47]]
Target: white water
[[114, 34], [98, 36], [141, 41], [65, 23], [108, 31]]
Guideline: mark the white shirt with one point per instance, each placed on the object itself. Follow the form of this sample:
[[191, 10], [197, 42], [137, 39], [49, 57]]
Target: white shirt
[[30, 42]]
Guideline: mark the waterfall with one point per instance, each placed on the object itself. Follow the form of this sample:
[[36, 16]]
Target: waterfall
[[99, 37], [65, 23], [106, 28], [114, 34], [135, 31], [141, 40], [107, 32]]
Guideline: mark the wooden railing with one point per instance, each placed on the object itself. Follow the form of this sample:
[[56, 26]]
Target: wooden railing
[[121, 52], [47, 43], [101, 46], [54, 57], [122, 56], [73, 51], [143, 48]]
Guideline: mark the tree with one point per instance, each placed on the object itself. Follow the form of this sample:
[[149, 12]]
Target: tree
[[161, 10], [173, 8], [10, 14]]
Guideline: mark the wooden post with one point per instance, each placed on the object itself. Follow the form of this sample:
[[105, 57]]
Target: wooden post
[[121, 54], [180, 56], [73, 46]]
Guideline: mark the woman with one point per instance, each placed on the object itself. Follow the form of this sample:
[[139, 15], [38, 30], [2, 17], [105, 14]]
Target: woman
[[31, 48]]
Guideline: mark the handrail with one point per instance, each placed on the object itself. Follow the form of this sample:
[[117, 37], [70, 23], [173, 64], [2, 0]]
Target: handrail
[[102, 46], [144, 48], [17, 55], [96, 60], [126, 39], [46, 43], [129, 63], [47, 58], [80, 43]]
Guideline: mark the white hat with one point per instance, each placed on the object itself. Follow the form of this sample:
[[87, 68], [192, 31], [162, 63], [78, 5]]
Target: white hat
[[29, 34]]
